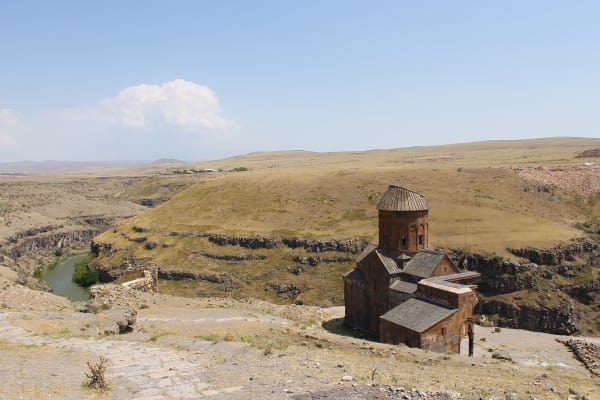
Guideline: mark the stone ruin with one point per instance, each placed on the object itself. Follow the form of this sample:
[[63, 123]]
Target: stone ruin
[[125, 292], [147, 283]]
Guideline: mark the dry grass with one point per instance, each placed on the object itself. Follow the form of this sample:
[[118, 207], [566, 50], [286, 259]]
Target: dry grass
[[478, 203]]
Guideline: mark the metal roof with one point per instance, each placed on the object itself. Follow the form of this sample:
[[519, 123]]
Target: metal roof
[[418, 315], [397, 198]]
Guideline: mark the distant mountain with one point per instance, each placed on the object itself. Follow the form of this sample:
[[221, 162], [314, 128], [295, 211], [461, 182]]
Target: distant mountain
[[54, 166]]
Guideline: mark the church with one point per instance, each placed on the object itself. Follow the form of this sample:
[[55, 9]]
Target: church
[[403, 292]]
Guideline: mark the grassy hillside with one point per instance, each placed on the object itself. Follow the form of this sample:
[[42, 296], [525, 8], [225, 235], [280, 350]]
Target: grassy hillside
[[478, 202]]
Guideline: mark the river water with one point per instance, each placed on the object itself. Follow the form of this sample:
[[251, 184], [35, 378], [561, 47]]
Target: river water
[[59, 279]]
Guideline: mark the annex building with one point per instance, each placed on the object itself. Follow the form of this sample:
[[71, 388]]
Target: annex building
[[403, 292]]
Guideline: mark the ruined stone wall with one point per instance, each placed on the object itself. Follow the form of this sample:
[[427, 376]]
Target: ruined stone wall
[[148, 283]]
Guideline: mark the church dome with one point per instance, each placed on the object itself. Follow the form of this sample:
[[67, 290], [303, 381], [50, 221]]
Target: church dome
[[397, 198]]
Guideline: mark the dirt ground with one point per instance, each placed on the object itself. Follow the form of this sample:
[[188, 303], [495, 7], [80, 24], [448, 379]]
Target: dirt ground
[[229, 349]]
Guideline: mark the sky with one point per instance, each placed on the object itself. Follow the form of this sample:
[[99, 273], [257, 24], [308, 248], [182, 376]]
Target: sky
[[202, 80]]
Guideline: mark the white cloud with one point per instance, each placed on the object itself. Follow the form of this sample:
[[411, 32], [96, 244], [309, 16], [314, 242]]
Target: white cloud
[[9, 123], [179, 102]]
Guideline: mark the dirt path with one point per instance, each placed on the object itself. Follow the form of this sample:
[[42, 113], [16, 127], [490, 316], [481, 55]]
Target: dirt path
[[203, 348]]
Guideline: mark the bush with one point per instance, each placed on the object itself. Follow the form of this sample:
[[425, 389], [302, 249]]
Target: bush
[[83, 276], [240, 169], [96, 377]]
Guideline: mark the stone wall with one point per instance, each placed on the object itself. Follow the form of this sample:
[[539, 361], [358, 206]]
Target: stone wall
[[147, 283]]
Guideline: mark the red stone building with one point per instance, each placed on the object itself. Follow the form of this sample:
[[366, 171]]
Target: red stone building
[[402, 292]]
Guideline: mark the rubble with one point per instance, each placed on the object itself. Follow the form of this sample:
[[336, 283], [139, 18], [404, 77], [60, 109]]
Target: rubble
[[583, 180], [586, 352]]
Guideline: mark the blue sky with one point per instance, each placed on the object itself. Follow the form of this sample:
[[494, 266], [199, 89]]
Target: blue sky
[[199, 80]]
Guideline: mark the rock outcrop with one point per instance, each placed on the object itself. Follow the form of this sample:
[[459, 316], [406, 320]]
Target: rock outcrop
[[558, 254], [353, 246], [233, 257], [78, 239], [499, 276], [316, 260], [558, 320], [249, 242]]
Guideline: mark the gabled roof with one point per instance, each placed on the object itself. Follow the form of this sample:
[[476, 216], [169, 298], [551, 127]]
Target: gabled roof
[[397, 198], [355, 275], [368, 250], [423, 263], [390, 263], [418, 315], [403, 287]]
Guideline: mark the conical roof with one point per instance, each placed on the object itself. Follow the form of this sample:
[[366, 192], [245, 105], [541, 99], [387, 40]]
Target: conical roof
[[401, 199]]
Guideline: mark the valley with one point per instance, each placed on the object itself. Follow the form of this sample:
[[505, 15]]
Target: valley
[[268, 244]]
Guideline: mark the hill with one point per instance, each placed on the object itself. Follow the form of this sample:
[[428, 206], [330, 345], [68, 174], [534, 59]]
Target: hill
[[482, 201]]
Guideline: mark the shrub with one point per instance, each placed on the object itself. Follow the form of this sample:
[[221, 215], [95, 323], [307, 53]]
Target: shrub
[[83, 276], [96, 378]]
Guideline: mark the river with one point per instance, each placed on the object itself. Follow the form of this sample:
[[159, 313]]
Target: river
[[59, 279]]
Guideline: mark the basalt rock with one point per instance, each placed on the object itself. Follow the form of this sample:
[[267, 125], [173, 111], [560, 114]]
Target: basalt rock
[[175, 275], [585, 293], [75, 239], [151, 203], [33, 232], [499, 275], [353, 246], [97, 247], [103, 223], [558, 320], [233, 257], [315, 260], [285, 290], [249, 242], [558, 254]]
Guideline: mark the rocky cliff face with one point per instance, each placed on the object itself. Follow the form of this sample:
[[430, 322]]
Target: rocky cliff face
[[558, 254], [78, 239], [353, 246], [501, 276], [558, 320], [512, 289]]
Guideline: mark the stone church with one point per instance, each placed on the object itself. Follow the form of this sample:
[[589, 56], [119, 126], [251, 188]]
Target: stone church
[[403, 292]]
